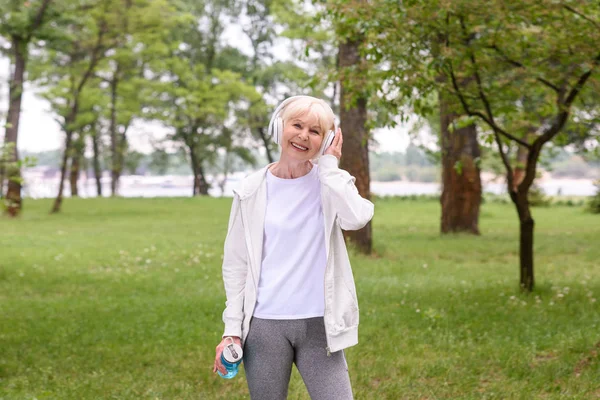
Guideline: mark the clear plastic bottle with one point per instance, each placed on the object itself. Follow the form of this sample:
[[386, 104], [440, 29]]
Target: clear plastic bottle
[[231, 357]]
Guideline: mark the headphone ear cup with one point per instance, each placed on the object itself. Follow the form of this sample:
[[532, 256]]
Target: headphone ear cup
[[278, 130], [327, 141]]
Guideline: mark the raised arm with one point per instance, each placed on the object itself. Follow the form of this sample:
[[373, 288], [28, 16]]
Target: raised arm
[[353, 211]]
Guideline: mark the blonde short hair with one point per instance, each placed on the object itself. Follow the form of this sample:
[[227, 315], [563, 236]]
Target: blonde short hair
[[312, 106]]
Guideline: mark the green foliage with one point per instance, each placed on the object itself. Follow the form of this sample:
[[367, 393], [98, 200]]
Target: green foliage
[[594, 204], [514, 66]]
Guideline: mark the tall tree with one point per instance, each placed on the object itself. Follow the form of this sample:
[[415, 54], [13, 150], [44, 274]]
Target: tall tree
[[142, 27], [20, 23], [67, 66], [197, 90], [495, 53], [353, 117]]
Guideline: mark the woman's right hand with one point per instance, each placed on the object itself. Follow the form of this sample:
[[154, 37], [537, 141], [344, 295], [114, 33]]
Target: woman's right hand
[[218, 364]]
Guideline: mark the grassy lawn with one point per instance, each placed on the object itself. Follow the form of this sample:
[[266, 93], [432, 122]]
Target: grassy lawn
[[122, 299]]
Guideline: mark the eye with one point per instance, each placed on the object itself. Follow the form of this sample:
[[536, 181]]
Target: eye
[[315, 132], [298, 126]]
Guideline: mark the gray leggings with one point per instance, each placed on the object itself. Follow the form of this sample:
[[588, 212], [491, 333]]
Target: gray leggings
[[273, 345]]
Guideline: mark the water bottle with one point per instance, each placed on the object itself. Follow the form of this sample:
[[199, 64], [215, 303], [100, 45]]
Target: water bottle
[[231, 357]]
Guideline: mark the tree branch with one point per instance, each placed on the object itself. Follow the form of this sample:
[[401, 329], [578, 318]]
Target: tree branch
[[574, 11], [479, 114], [490, 117], [563, 115], [38, 19], [556, 127], [519, 65], [504, 157]]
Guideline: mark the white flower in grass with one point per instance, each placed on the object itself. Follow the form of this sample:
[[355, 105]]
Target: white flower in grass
[[592, 300], [424, 265]]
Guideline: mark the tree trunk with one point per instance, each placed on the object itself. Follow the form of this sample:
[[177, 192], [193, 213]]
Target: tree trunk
[[97, 169], [75, 167], [200, 186], [13, 200], [74, 175], [120, 157], [114, 140], [355, 152], [63, 172], [461, 181], [267, 143], [525, 241]]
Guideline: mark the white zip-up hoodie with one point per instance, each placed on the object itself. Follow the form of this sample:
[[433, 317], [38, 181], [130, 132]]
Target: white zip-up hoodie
[[343, 208]]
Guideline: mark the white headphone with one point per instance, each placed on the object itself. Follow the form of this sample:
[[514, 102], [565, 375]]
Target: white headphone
[[276, 126]]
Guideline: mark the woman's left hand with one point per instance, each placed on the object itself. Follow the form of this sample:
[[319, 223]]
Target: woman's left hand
[[336, 146]]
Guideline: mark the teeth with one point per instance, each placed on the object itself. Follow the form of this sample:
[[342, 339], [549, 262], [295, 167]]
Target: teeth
[[299, 147]]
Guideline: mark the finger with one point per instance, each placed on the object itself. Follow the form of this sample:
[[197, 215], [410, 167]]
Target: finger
[[220, 366]]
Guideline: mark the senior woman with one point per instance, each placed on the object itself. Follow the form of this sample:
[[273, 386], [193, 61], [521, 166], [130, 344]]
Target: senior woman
[[290, 292]]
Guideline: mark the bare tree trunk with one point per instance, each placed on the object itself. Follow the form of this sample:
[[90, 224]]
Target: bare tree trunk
[[74, 175], [13, 199], [75, 167], [355, 155], [63, 172], [461, 181], [267, 143], [120, 157], [526, 229], [114, 140], [97, 169], [200, 186]]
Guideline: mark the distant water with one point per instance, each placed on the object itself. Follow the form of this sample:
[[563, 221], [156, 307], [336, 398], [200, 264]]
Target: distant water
[[178, 186]]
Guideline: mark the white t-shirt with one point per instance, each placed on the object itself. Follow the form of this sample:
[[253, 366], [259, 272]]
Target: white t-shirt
[[291, 284]]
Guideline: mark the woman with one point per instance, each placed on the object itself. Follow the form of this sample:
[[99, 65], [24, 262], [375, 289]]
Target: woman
[[289, 286]]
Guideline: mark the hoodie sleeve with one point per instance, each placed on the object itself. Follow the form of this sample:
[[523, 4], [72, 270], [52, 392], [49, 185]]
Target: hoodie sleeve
[[235, 270], [353, 211]]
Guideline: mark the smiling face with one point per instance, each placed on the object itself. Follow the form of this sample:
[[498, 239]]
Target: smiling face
[[302, 137]]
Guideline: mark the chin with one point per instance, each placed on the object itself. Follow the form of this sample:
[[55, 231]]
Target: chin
[[309, 155]]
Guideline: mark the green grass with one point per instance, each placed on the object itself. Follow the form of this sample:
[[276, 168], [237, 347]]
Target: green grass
[[122, 299]]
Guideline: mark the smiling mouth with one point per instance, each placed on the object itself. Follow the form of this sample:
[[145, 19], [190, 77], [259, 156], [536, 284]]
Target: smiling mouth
[[297, 146]]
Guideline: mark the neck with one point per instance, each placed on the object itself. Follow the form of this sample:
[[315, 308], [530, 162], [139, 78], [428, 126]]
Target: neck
[[287, 168]]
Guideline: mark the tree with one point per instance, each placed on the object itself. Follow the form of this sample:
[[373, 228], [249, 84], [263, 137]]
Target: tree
[[143, 27], [20, 23], [197, 92], [520, 68], [65, 68], [354, 95]]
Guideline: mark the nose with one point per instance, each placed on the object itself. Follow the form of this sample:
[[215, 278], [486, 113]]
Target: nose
[[303, 134]]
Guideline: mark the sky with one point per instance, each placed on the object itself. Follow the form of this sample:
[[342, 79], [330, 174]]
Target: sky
[[39, 131]]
